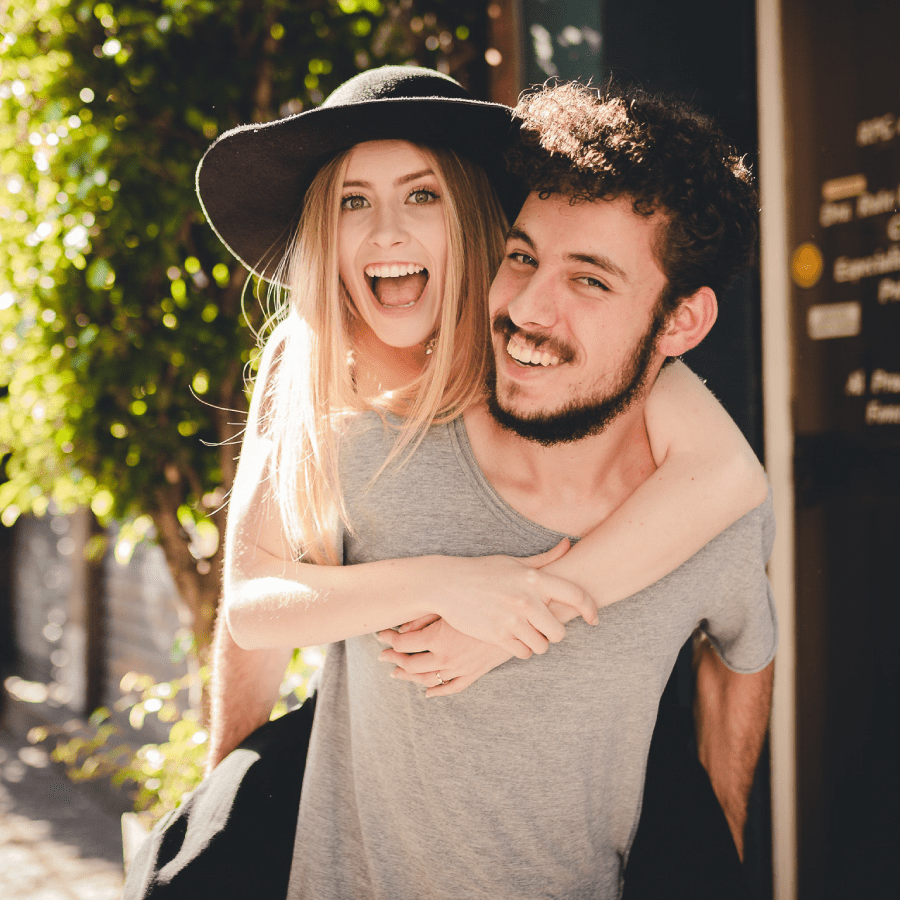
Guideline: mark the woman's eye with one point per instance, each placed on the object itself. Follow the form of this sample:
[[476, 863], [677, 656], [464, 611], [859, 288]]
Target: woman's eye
[[422, 196], [354, 202]]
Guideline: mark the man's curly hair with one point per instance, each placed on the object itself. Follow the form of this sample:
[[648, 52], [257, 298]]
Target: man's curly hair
[[661, 155]]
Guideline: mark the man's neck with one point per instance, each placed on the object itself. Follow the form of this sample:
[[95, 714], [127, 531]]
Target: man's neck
[[569, 488]]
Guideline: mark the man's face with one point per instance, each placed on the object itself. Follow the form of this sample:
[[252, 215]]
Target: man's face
[[575, 317]]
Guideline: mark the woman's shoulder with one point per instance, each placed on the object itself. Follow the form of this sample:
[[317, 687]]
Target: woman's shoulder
[[263, 380], [368, 443], [274, 345], [358, 429]]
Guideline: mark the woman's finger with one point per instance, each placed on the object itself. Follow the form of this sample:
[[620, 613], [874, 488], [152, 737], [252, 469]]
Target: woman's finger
[[453, 686], [413, 663], [569, 594], [419, 624], [386, 637], [542, 627], [548, 556], [517, 648], [425, 679], [412, 642]]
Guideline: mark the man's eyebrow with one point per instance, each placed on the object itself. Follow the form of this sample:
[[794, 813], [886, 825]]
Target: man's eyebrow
[[600, 262], [405, 179], [517, 234]]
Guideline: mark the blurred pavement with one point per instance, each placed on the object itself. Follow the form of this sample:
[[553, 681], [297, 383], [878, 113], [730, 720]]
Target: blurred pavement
[[57, 841]]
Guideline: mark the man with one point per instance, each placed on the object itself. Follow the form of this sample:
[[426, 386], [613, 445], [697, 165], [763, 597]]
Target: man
[[529, 782]]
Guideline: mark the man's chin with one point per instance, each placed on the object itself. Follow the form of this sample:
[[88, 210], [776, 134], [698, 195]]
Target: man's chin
[[545, 428]]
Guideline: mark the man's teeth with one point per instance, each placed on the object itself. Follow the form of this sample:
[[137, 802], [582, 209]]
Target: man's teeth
[[531, 355], [392, 270]]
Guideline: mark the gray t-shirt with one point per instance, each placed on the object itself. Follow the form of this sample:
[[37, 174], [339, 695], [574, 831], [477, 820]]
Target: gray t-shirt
[[528, 784]]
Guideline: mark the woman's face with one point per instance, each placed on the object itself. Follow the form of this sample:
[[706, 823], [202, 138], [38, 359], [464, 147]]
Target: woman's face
[[392, 241]]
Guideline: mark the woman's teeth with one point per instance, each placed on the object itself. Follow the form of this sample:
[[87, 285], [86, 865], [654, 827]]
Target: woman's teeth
[[392, 270], [396, 285], [530, 355]]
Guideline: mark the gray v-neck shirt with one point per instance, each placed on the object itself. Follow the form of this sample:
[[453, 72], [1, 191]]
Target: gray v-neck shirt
[[528, 784]]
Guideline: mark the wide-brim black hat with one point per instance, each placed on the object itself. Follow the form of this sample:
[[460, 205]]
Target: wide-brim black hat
[[253, 179]]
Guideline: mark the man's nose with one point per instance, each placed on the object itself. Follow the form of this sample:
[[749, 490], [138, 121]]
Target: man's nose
[[535, 304], [388, 228]]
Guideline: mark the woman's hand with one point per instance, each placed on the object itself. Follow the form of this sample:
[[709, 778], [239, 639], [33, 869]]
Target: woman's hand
[[504, 601], [433, 654]]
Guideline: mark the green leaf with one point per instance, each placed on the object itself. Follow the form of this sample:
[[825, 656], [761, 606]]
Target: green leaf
[[97, 274], [100, 400]]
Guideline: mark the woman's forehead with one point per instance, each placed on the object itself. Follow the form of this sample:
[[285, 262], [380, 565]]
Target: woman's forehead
[[385, 158]]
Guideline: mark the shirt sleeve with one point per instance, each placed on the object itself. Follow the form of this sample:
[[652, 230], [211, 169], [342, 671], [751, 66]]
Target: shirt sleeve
[[742, 624]]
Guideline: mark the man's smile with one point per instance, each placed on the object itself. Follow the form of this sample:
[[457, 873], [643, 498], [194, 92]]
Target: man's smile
[[530, 355], [531, 350]]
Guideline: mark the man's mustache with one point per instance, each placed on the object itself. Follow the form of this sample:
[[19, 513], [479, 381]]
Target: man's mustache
[[502, 324]]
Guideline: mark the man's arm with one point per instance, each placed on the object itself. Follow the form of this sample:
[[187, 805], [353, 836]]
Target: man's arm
[[731, 717], [244, 686]]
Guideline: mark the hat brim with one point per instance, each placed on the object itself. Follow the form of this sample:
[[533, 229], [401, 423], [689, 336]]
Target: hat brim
[[253, 179]]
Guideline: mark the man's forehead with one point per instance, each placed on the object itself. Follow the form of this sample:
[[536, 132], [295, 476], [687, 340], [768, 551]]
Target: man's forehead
[[544, 201], [580, 228]]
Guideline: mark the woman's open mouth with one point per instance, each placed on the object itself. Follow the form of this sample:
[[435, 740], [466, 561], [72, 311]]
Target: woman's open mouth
[[396, 285]]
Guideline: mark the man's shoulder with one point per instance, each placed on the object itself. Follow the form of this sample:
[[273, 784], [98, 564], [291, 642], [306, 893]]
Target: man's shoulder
[[738, 555], [734, 558], [756, 525]]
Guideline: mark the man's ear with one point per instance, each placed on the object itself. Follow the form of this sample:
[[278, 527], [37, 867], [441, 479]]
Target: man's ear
[[690, 323]]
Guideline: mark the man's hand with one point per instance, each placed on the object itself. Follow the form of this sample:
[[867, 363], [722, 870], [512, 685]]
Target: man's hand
[[429, 647], [731, 716]]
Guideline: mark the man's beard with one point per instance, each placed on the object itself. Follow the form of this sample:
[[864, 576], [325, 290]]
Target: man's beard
[[584, 417]]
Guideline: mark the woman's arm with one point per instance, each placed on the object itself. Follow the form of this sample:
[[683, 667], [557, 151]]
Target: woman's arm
[[707, 478], [272, 601]]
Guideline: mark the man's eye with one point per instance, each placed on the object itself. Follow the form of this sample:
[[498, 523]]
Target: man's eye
[[422, 195], [354, 202], [594, 283], [522, 258]]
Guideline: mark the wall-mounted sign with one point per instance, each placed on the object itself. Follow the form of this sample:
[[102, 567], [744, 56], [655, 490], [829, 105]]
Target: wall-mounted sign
[[845, 265], [806, 265], [833, 320]]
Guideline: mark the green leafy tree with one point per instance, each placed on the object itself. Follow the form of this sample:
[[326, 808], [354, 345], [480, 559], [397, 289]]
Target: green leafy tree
[[127, 331]]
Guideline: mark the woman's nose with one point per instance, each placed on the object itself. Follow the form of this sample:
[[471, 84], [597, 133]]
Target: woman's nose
[[388, 228]]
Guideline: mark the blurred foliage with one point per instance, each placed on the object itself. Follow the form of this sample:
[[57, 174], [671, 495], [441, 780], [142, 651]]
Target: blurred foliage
[[127, 331], [158, 775]]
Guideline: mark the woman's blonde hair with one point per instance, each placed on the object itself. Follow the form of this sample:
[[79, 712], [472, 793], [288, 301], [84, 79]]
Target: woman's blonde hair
[[312, 389]]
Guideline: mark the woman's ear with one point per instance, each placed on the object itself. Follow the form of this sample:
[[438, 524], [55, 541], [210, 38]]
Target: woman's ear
[[690, 323]]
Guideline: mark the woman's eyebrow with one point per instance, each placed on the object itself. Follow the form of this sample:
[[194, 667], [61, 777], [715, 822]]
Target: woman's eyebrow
[[404, 179], [414, 176]]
